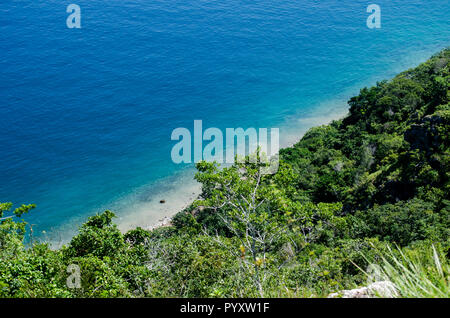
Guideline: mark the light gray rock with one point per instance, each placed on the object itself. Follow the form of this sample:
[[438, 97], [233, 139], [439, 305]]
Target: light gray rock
[[383, 289]]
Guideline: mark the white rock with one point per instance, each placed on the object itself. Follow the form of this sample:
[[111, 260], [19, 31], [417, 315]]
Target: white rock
[[384, 289]]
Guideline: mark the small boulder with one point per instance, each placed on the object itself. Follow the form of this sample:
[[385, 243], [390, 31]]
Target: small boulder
[[383, 289]]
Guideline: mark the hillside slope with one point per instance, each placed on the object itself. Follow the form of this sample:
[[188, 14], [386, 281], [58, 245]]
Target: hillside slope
[[370, 189]]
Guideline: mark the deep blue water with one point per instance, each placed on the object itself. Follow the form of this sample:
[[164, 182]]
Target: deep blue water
[[86, 114]]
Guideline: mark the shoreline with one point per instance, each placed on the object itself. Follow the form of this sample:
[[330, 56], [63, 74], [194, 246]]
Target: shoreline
[[293, 135], [133, 211], [322, 114]]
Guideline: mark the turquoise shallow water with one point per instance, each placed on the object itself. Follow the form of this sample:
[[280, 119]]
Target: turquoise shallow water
[[87, 114]]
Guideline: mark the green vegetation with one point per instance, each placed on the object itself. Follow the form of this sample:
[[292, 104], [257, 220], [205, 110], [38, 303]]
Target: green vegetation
[[372, 188], [417, 275]]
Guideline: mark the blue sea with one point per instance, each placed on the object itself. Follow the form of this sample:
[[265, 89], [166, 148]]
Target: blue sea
[[87, 114]]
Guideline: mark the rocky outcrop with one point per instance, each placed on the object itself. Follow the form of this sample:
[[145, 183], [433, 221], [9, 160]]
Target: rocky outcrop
[[425, 135], [384, 289]]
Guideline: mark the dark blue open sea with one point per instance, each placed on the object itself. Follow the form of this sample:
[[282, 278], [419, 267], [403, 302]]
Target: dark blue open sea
[[86, 114]]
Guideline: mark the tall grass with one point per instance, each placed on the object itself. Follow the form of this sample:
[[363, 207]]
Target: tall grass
[[415, 273]]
